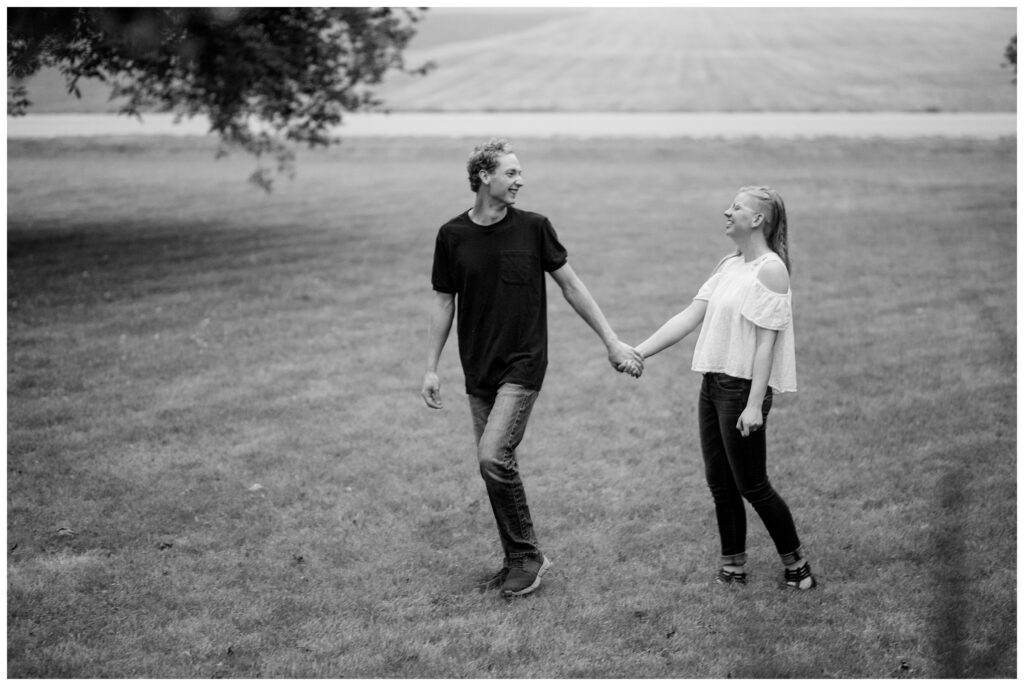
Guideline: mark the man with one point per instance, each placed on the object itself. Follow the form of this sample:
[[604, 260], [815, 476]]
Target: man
[[489, 264]]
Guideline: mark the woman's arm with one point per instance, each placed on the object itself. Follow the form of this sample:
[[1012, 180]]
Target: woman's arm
[[675, 329], [751, 419], [774, 277], [684, 323]]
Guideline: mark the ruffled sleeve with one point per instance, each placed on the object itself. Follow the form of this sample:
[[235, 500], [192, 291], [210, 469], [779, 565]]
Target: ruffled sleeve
[[709, 286], [766, 308]]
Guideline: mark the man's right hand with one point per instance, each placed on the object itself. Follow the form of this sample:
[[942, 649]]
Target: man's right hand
[[431, 391]]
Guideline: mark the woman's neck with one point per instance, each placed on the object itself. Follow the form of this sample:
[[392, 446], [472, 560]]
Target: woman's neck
[[754, 248]]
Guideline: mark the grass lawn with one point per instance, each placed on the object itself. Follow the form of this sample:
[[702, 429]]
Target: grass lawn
[[218, 464]]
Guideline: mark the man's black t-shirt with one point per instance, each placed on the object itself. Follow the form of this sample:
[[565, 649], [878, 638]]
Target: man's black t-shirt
[[497, 275]]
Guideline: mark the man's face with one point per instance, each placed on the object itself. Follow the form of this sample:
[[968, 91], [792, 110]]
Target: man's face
[[506, 179]]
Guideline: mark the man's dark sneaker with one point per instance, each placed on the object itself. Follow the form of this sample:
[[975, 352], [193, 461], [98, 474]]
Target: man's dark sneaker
[[524, 575], [495, 581]]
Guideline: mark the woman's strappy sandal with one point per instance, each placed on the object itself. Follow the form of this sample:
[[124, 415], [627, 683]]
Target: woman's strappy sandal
[[796, 577], [724, 576]]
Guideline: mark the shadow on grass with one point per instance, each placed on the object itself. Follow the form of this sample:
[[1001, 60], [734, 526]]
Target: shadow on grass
[[95, 257], [955, 569]]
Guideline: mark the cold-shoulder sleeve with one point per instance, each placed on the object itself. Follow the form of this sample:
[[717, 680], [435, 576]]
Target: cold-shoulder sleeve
[[767, 308]]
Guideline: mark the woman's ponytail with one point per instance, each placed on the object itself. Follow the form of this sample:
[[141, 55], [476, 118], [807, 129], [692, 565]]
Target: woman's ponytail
[[776, 229]]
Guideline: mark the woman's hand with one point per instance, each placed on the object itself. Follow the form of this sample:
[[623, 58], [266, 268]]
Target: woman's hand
[[632, 368], [751, 420]]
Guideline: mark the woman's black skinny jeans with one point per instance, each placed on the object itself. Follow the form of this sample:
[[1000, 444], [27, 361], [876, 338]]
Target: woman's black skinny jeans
[[735, 470]]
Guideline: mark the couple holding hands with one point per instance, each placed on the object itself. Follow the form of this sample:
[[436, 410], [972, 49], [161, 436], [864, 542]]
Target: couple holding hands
[[489, 274]]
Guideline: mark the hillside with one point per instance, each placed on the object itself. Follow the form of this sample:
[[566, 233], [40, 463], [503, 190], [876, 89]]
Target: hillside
[[691, 59], [686, 59]]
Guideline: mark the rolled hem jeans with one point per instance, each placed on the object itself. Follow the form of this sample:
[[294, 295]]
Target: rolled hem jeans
[[499, 423], [735, 469]]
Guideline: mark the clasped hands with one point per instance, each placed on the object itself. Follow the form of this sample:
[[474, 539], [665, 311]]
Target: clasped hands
[[624, 358]]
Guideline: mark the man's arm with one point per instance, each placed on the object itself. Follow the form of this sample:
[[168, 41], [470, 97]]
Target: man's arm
[[442, 314], [576, 294]]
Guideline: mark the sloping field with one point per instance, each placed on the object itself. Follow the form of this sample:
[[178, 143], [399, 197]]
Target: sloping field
[[685, 59], [728, 59]]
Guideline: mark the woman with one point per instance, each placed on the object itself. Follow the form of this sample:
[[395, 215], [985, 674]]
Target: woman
[[745, 351]]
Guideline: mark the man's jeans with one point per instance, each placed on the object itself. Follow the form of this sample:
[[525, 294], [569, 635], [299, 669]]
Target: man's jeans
[[499, 423], [735, 468]]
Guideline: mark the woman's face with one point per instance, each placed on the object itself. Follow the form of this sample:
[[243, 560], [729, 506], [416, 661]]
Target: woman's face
[[742, 217]]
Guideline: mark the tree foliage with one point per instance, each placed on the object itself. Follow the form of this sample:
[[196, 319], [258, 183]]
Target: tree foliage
[[1011, 55], [263, 76]]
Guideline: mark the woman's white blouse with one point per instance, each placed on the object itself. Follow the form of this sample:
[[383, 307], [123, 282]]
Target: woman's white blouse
[[738, 303]]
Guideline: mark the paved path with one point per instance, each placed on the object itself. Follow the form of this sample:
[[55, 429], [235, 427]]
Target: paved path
[[575, 125]]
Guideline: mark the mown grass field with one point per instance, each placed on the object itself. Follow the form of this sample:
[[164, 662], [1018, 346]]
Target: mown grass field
[[710, 59], [688, 59], [218, 464]]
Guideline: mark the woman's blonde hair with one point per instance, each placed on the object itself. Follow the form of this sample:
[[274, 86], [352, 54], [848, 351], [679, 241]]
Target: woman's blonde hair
[[776, 228]]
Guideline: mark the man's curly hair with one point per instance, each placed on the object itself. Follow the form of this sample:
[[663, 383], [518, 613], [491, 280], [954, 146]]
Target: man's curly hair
[[485, 158]]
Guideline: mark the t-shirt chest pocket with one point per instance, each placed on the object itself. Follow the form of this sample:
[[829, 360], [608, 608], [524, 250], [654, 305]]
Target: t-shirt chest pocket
[[517, 266]]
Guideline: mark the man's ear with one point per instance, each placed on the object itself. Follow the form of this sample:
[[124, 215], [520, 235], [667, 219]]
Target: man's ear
[[485, 177]]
